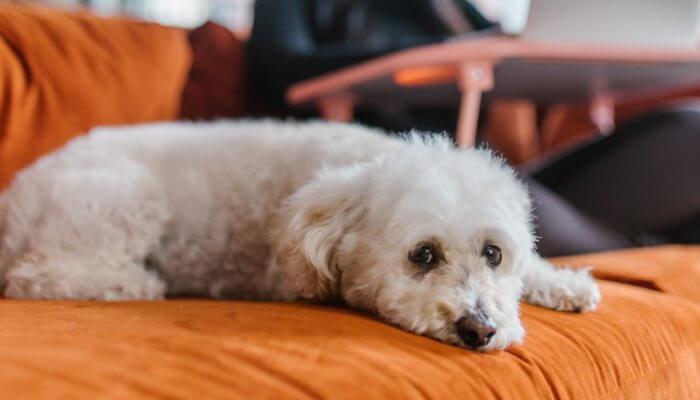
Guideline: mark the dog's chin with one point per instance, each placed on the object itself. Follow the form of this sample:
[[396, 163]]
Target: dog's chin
[[453, 340], [507, 335], [500, 342], [504, 338]]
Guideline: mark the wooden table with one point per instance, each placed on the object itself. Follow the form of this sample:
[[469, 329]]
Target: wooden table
[[499, 67]]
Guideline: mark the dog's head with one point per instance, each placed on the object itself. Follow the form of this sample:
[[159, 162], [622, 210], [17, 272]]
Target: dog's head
[[432, 238]]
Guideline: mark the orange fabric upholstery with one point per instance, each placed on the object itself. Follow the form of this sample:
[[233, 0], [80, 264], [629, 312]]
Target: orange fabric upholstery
[[640, 344], [668, 269], [61, 74]]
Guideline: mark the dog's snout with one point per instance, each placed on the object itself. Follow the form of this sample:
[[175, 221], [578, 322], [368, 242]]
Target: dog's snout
[[474, 330]]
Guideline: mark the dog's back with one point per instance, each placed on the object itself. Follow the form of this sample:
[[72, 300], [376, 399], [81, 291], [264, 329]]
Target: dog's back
[[214, 188]]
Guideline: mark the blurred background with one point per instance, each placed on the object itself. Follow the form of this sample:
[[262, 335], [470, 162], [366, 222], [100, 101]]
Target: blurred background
[[237, 15], [234, 14]]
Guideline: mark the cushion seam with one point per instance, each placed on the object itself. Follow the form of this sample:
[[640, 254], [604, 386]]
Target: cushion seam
[[692, 350]]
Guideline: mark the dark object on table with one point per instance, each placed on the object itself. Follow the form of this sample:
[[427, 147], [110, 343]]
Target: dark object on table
[[293, 40]]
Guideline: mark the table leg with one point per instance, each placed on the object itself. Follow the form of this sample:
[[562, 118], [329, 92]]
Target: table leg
[[511, 129], [602, 112], [474, 79], [468, 117], [337, 108]]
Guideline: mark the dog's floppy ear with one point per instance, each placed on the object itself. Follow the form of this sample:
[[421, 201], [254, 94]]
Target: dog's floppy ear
[[312, 223]]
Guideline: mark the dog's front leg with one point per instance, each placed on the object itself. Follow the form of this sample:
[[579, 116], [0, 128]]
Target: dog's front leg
[[559, 288]]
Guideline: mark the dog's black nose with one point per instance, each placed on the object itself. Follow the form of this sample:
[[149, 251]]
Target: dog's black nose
[[474, 331]]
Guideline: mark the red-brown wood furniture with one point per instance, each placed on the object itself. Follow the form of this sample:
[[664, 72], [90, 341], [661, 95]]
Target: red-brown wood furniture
[[465, 70]]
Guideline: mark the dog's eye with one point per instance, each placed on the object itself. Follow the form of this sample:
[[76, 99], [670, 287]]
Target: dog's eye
[[492, 254], [424, 255]]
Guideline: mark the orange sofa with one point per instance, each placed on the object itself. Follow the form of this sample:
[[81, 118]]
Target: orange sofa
[[643, 342], [62, 74]]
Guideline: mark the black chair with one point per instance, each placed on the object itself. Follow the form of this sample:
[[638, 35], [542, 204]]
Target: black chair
[[293, 40]]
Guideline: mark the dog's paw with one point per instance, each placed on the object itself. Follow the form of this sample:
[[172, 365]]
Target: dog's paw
[[565, 290]]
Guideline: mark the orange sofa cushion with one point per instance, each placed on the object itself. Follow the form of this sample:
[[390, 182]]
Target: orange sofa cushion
[[640, 344], [61, 74], [669, 269]]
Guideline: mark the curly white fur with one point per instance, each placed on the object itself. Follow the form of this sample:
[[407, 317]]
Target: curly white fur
[[281, 211]]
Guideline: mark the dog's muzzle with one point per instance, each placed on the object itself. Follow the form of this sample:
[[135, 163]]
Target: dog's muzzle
[[474, 330]]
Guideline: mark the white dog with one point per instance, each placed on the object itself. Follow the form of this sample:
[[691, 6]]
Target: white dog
[[431, 238]]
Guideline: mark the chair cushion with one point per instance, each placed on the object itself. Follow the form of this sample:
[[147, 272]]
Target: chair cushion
[[641, 343], [62, 73]]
